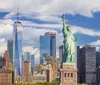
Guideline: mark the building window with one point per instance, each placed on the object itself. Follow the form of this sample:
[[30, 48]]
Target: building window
[[68, 74], [71, 74], [65, 74]]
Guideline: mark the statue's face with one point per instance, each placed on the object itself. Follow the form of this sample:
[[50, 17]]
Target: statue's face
[[69, 28]]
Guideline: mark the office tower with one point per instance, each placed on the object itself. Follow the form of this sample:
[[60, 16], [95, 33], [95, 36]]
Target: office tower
[[98, 67], [8, 63], [32, 62], [61, 53], [79, 62], [5, 76], [18, 47], [2, 62], [26, 71], [87, 61], [35, 58], [47, 46], [10, 50]]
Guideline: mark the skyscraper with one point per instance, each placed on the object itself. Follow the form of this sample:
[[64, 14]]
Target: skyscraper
[[10, 50], [35, 58], [87, 65], [18, 47], [47, 45]]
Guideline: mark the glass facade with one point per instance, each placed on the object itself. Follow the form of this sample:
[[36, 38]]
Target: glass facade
[[32, 62], [47, 46], [18, 47], [10, 49], [44, 47], [35, 58], [61, 53], [87, 65]]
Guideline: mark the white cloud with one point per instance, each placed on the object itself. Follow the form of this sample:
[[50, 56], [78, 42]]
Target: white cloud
[[86, 31], [6, 30], [3, 45], [52, 7], [96, 43], [27, 49], [97, 48], [3, 40]]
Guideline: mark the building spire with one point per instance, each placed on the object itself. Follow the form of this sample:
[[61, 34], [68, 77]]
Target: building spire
[[17, 14]]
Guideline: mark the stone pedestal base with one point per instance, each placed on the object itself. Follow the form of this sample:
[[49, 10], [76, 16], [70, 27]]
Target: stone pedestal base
[[68, 75]]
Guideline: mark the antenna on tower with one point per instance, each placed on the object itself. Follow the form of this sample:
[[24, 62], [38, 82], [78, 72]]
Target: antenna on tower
[[17, 14]]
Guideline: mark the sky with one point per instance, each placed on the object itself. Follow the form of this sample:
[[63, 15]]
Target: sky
[[40, 16]]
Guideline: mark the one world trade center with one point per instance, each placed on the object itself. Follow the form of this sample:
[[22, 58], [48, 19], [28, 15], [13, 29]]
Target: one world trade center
[[18, 47]]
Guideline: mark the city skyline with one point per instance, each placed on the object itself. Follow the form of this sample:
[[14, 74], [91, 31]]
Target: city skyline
[[50, 41], [42, 19]]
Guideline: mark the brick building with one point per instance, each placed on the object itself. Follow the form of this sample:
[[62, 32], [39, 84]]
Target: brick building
[[5, 75], [8, 63]]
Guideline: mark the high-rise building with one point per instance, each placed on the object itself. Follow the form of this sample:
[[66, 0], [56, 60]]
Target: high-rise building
[[61, 53], [35, 58], [10, 50], [32, 62], [18, 47], [87, 65], [47, 46]]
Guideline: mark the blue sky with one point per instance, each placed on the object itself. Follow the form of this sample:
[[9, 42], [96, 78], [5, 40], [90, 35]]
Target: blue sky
[[40, 16]]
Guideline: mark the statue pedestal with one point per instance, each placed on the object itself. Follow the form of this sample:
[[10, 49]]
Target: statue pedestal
[[68, 75]]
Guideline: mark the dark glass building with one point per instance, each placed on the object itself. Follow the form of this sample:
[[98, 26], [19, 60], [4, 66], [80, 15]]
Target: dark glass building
[[61, 53], [47, 45], [10, 50], [98, 67], [98, 59], [2, 62], [86, 64]]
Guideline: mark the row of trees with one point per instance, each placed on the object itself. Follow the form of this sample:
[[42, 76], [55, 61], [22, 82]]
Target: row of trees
[[39, 83]]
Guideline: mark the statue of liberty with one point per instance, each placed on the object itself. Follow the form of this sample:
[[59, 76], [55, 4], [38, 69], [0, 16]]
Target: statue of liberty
[[69, 44]]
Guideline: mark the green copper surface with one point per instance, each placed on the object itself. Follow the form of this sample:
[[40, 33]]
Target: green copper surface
[[69, 45]]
